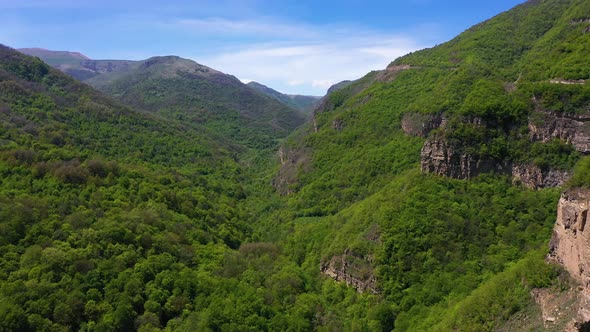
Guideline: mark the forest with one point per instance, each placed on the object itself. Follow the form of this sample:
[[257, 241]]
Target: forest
[[143, 207]]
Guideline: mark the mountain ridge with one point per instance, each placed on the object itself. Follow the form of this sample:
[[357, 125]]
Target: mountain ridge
[[303, 103], [396, 207]]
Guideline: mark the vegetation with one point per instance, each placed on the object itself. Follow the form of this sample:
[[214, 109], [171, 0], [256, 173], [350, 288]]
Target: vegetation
[[305, 104], [191, 93], [162, 217]]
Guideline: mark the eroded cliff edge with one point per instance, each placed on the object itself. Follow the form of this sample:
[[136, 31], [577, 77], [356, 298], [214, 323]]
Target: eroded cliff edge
[[451, 158], [570, 247]]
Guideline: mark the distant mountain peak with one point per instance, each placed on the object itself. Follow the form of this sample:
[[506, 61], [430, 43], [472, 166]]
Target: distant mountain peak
[[300, 102], [45, 53], [171, 64]]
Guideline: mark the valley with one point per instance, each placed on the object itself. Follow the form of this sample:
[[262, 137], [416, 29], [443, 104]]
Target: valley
[[445, 192]]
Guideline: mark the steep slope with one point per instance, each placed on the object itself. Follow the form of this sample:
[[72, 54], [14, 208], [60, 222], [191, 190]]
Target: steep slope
[[187, 91], [475, 111], [92, 194], [305, 104]]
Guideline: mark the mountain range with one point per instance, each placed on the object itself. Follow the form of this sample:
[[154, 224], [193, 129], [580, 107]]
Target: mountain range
[[446, 192]]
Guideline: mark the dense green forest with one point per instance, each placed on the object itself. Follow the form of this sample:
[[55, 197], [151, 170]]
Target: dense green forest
[[184, 90], [149, 214]]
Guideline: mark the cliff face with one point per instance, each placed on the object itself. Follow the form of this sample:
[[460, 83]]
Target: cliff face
[[532, 176], [570, 245], [418, 124], [572, 128], [356, 271], [442, 157]]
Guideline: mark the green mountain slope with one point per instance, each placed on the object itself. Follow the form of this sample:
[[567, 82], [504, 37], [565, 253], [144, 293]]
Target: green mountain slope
[[305, 104], [417, 198], [185, 90], [480, 103], [91, 191]]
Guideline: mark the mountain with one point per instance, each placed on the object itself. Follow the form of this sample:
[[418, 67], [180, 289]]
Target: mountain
[[78, 65], [386, 181], [54, 57], [185, 90], [305, 104], [339, 86], [92, 190], [421, 197], [188, 91]]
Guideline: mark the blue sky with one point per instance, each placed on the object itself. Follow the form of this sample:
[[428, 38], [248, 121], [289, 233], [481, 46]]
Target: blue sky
[[294, 46]]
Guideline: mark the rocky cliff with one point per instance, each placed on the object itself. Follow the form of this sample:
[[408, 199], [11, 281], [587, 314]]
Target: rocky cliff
[[572, 128], [570, 246], [441, 157], [438, 156], [355, 271], [534, 177]]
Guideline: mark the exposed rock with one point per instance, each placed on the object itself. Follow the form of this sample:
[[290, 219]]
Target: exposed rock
[[570, 245], [390, 73], [534, 177], [581, 20], [557, 308], [292, 162], [572, 128], [562, 81], [418, 124], [338, 124], [356, 271], [440, 157]]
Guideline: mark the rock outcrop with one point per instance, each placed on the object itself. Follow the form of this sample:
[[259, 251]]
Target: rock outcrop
[[355, 271], [441, 157], [292, 162], [572, 128], [418, 124], [532, 176], [570, 245]]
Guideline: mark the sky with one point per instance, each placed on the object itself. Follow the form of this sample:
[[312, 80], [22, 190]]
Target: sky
[[293, 46]]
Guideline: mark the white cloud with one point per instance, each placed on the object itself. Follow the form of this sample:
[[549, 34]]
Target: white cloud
[[297, 57], [311, 67]]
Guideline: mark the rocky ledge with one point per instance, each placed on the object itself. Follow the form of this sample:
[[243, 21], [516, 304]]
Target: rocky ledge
[[355, 271], [570, 246], [572, 128]]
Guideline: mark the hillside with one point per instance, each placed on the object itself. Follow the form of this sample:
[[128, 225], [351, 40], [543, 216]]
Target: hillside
[[187, 91], [54, 57], [306, 104], [91, 188], [78, 65], [392, 167], [422, 197]]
